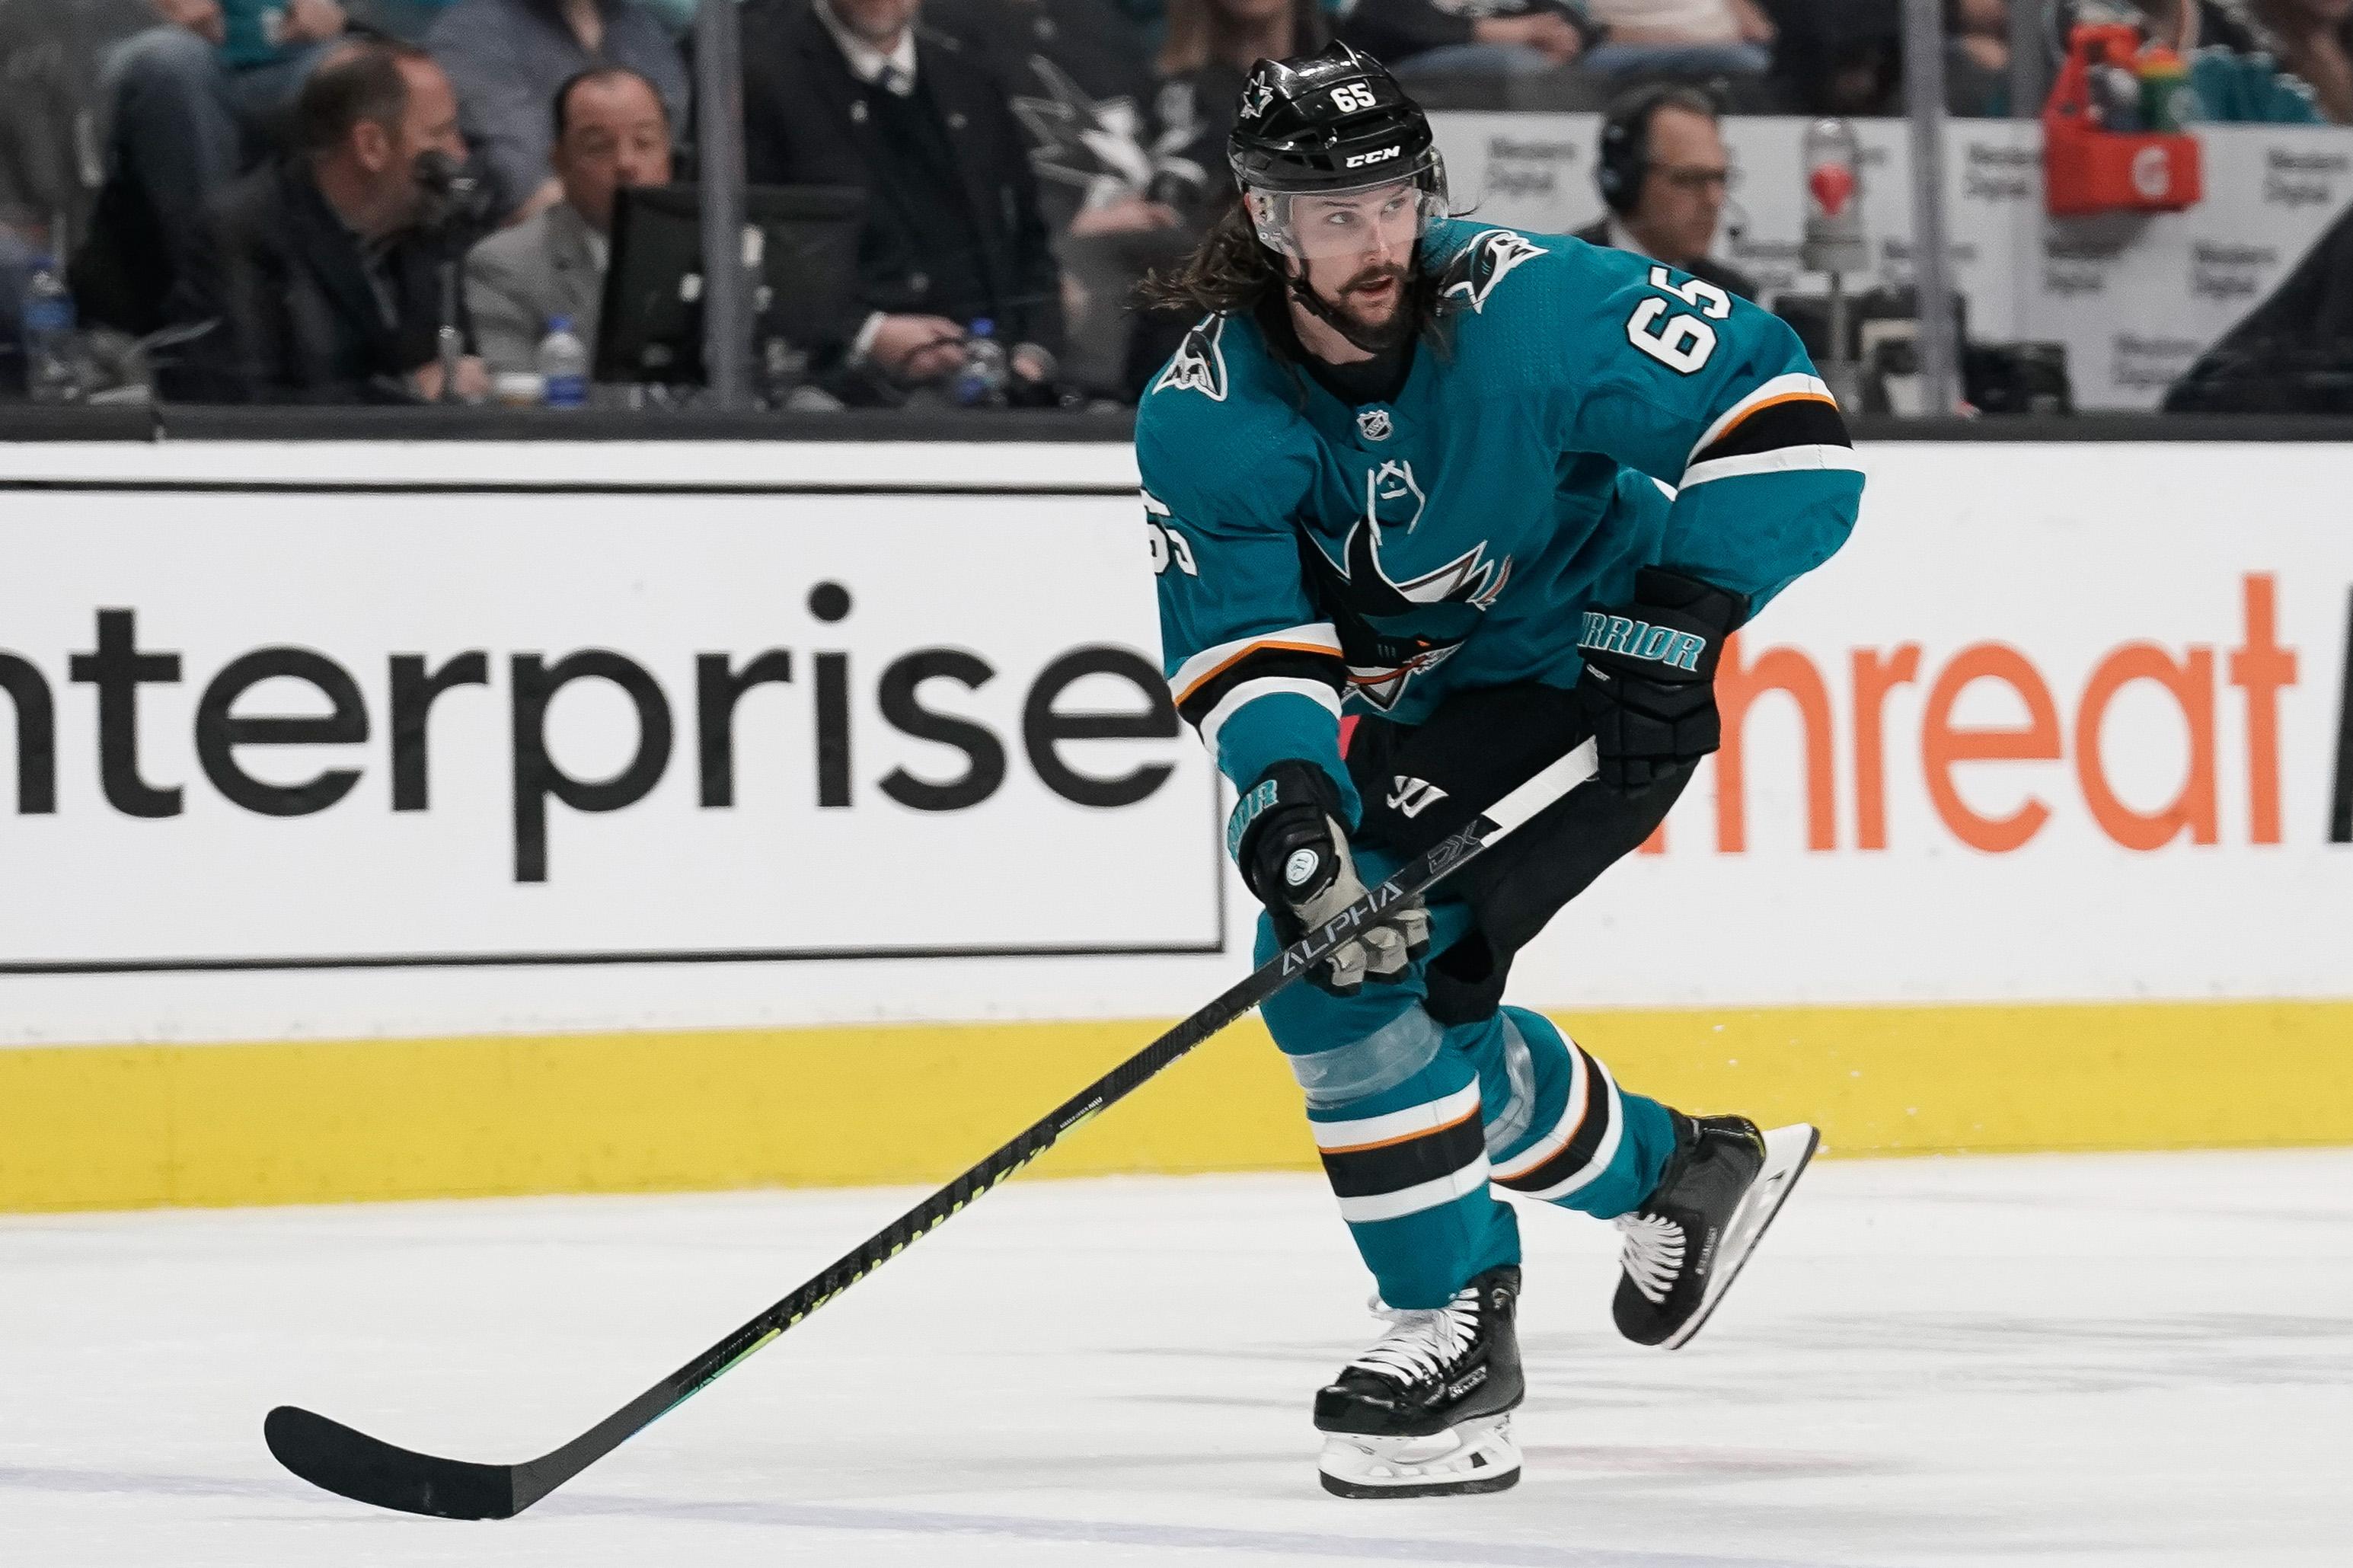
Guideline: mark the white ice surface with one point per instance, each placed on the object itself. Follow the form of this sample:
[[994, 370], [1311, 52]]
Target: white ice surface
[[2114, 1359]]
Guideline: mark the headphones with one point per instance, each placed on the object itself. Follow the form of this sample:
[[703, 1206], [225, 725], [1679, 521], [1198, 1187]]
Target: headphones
[[1623, 159]]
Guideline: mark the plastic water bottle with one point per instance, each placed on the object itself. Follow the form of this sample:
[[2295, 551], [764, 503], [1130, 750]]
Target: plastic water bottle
[[46, 309], [564, 367], [981, 383]]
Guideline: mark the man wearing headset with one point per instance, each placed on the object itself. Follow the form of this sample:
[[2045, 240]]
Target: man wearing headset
[[1407, 486], [1664, 177]]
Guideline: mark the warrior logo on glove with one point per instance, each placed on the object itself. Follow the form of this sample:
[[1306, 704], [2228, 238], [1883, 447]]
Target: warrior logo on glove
[[1640, 640], [1648, 687]]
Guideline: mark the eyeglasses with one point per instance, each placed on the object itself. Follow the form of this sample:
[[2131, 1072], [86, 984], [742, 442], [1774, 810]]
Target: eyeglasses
[[1694, 179]]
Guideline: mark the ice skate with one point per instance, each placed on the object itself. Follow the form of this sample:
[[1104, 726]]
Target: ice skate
[[1686, 1243], [1426, 1412]]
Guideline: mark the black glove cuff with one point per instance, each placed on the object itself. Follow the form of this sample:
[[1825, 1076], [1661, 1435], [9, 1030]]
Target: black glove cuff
[[1719, 609], [1290, 795]]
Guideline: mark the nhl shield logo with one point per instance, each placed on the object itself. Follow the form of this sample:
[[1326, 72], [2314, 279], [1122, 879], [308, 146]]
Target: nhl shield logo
[[1392, 498], [1373, 424]]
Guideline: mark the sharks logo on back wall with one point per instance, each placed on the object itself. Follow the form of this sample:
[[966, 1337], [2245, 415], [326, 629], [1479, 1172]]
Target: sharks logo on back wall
[[1102, 149]]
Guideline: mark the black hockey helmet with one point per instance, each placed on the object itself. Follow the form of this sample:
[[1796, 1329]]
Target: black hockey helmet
[[1325, 124]]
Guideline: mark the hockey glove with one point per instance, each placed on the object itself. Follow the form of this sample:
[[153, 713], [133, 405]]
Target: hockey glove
[[1286, 837], [1649, 688]]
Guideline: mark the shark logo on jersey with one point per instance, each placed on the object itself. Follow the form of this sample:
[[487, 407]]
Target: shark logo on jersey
[[1392, 630], [1469, 578], [1200, 363], [1392, 499], [1479, 266]]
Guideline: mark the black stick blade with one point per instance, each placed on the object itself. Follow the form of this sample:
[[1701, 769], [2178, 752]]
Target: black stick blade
[[328, 1455]]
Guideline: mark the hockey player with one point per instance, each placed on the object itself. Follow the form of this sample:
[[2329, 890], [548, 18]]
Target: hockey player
[[1409, 485]]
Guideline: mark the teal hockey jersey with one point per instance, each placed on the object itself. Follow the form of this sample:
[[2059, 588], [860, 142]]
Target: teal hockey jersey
[[1586, 413]]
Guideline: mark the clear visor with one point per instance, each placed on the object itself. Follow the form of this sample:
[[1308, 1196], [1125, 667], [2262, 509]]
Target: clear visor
[[1388, 216]]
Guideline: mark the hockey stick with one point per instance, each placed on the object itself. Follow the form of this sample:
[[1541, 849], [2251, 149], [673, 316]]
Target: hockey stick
[[330, 1454]]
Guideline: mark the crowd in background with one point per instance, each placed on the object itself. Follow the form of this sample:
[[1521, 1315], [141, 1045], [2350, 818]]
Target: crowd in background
[[261, 189]]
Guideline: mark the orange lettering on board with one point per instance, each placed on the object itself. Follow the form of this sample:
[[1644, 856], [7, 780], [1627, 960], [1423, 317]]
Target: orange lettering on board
[[2261, 667], [1739, 684], [1875, 675], [1657, 843], [2191, 682], [1942, 746]]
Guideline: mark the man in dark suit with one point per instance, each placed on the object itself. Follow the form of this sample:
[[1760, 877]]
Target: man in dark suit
[[849, 92], [319, 275], [1664, 176]]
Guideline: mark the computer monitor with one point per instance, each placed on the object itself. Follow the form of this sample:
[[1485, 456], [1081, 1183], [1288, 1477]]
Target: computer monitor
[[1872, 316], [804, 240]]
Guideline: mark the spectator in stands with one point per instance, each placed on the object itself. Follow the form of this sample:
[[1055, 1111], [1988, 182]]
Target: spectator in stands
[[1680, 37], [1210, 48], [678, 14], [1120, 183], [320, 273], [1839, 56], [1664, 176], [508, 57], [610, 132], [193, 102], [405, 20], [2307, 38], [52, 51], [2259, 61], [1976, 63], [1080, 82], [1433, 37], [849, 92]]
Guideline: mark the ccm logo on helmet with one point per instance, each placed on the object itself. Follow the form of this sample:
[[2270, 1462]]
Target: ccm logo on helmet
[[1382, 155]]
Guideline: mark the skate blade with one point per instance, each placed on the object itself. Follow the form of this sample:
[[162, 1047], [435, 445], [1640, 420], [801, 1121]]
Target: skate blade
[[1787, 1151], [1475, 1456]]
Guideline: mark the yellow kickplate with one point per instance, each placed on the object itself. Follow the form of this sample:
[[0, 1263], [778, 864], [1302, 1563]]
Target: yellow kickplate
[[133, 1127]]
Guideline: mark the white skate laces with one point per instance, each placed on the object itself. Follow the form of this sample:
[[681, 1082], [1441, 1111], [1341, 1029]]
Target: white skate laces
[[1653, 1252], [1423, 1342]]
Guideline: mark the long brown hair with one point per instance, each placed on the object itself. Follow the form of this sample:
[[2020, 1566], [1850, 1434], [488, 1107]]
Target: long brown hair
[[1227, 274], [1232, 273]]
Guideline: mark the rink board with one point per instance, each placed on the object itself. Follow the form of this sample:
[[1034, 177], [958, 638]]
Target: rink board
[[2034, 828], [140, 1126]]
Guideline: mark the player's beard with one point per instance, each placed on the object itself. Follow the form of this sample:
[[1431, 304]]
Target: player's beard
[[1374, 336]]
